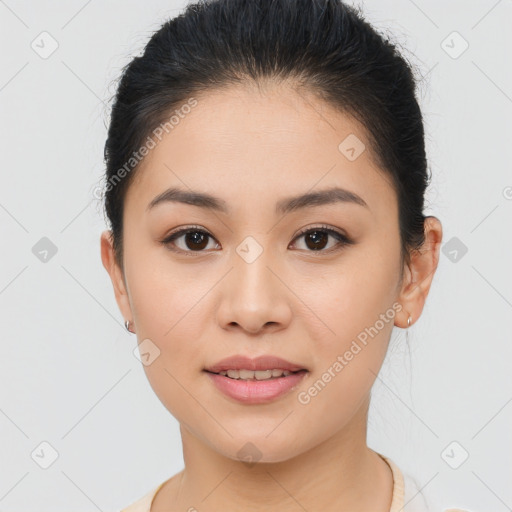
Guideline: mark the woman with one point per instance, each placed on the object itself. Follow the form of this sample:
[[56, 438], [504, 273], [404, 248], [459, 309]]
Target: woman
[[265, 185]]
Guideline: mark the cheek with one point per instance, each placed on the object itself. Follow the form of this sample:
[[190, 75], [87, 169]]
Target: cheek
[[167, 305], [167, 309], [355, 305], [348, 359]]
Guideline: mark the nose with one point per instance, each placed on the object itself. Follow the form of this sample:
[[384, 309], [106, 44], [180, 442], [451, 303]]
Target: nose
[[253, 297]]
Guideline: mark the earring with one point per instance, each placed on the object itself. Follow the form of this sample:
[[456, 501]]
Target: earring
[[127, 325], [409, 320]]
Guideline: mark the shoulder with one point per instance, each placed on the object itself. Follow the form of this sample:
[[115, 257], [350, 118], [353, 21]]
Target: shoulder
[[143, 504], [414, 495], [417, 501], [407, 493]]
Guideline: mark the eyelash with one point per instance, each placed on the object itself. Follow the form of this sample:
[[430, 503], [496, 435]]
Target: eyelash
[[343, 240]]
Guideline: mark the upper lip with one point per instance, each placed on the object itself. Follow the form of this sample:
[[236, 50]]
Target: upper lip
[[240, 362]]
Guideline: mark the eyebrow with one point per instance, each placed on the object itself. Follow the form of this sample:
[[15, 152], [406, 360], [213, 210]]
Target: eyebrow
[[284, 206]]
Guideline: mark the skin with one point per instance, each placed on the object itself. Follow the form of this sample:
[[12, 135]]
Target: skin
[[253, 147]]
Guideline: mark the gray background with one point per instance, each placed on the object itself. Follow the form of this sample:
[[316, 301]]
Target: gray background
[[68, 375]]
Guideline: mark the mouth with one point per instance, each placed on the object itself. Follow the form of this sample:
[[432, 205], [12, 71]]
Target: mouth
[[259, 375], [258, 380], [260, 368], [251, 387]]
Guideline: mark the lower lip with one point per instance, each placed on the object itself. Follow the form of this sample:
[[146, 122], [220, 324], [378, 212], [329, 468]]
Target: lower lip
[[256, 391]]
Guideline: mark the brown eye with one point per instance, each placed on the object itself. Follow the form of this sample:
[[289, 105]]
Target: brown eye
[[194, 240], [316, 239]]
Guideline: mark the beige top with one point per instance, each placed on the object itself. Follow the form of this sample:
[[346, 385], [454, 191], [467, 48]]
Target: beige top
[[406, 495]]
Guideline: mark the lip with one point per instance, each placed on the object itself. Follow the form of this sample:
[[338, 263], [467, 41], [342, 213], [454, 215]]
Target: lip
[[256, 391], [267, 362]]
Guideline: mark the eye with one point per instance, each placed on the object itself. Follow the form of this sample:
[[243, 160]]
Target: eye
[[195, 239], [316, 238]]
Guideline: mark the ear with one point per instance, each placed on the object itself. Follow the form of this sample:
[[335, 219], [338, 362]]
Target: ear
[[419, 273], [116, 274]]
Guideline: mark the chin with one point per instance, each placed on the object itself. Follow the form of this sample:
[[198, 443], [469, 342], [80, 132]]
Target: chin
[[259, 449]]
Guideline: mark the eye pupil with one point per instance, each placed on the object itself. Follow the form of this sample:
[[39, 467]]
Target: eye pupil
[[317, 237], [199, 240]]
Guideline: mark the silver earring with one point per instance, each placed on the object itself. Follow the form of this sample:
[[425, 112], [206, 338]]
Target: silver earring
[[409, 320], [127, 325]]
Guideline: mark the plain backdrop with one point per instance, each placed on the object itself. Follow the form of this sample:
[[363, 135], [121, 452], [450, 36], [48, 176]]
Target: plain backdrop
[[72, 394]]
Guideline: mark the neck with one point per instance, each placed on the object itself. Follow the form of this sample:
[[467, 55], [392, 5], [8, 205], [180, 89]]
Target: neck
[[339, 474]]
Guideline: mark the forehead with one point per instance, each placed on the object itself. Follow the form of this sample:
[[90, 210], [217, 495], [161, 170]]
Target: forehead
[[247, 142]]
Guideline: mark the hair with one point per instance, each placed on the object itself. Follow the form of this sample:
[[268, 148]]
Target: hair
[[321, 46]]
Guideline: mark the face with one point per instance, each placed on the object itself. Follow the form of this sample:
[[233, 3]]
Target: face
[[315, 283]]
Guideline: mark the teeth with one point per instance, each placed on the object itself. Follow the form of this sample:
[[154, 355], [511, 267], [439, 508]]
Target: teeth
[[258, 375]]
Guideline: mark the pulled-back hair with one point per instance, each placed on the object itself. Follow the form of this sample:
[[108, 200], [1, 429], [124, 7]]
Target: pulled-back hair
[[321, 46]]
